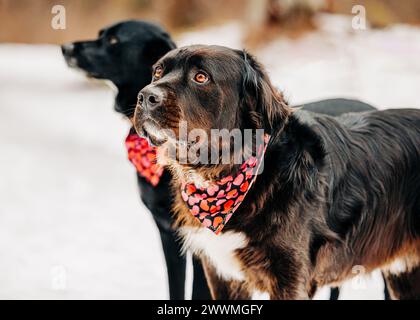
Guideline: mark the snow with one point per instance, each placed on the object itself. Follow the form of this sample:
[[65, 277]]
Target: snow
[[69, 197], [71, 222], [380, 67]]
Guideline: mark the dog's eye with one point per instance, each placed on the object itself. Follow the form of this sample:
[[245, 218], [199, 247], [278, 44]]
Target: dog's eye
[[113, 40], [201, 77], [157, 74]]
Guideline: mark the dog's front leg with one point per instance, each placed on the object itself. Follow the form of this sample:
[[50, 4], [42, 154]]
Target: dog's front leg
[[288, 291], [288, 278], [404, 285], [224, 289]]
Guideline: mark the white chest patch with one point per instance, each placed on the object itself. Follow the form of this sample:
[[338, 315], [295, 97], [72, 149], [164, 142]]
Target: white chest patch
[[397, 266], [259, 295], [403, 264], [219, 249]]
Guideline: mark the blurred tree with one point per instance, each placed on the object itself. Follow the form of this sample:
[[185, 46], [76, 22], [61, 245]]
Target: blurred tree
[[177, 14], [382, 13], [269, 18], [181, 13], [293, 13], [29, 21]]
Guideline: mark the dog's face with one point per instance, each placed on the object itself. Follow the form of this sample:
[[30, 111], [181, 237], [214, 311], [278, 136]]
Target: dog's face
[[207, 87], [123, 53]]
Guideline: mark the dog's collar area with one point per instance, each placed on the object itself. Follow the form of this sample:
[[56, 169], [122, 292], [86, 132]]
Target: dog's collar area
[[214, 205], [143, 157]]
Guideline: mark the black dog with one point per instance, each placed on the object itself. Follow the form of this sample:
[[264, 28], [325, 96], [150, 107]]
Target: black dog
[[124, 53], [334, 193]]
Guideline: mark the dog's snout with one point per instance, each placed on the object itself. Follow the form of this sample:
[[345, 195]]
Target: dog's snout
[[67, 48], [151, 98]]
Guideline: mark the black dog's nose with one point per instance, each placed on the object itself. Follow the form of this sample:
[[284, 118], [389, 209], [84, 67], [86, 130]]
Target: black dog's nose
[[151, 98], [67, 48]]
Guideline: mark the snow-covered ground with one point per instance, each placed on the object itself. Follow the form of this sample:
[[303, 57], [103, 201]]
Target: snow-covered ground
[[71, 222]]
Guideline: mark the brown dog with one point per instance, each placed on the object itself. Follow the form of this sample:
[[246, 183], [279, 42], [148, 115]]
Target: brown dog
[[334, 193]]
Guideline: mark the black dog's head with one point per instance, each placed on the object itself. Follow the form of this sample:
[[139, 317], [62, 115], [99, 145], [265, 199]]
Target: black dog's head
[[208, 87], [123, 53]]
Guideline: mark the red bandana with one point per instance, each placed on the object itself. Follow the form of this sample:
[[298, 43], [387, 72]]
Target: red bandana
[[214, 206], [143, 157]]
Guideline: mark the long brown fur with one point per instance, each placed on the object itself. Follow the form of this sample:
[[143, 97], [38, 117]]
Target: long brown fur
[[335, 193]]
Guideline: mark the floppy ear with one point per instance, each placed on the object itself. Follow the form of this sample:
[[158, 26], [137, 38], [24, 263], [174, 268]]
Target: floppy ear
[[156, 48], [267, 107]]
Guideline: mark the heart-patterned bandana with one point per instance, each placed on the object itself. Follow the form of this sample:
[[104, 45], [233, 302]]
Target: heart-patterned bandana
[[143, 157], [214, 206]]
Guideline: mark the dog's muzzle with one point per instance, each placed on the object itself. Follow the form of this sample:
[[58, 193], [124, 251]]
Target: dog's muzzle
[[68, 51]]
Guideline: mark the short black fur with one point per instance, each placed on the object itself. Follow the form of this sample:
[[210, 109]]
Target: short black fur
[[124, 54]]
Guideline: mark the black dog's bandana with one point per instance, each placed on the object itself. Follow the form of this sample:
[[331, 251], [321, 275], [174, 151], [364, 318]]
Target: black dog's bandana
[[143, 157]]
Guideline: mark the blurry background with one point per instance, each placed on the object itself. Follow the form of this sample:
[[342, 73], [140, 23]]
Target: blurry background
[[28, 21], [71, 222]]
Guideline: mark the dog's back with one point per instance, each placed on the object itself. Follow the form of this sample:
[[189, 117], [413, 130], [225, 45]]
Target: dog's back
[[372, 169], [337, 107]]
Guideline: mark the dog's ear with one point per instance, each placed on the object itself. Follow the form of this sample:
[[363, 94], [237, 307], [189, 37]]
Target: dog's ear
[[266, 105], [157, 47]]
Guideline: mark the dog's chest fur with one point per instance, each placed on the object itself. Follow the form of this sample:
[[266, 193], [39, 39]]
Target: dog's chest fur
[[220, 249]]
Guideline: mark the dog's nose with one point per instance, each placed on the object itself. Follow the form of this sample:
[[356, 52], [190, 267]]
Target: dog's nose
[[67, 48], [151, 98]]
